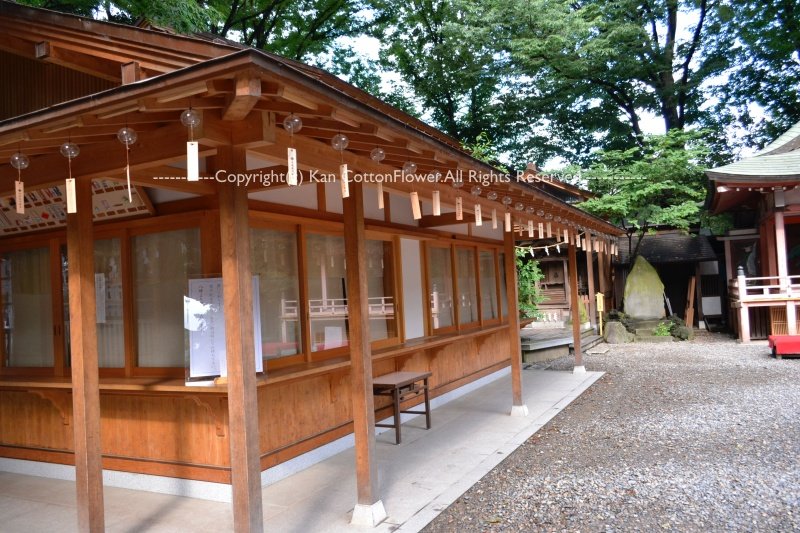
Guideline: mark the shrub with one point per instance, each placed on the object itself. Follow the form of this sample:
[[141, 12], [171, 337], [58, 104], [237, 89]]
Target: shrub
[[682, 332], [663, 329]]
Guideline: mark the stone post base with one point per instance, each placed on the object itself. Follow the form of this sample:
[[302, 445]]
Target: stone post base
[[579, 370], [519, 410], [368, 515]]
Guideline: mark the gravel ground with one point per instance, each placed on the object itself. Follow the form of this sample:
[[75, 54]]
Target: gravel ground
[[692, 436]]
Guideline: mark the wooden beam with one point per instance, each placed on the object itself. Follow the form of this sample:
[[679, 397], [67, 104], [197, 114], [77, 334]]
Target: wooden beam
[[345, 118], [369, 507], [83, 62], [237, 287], [85, 384], [159, 147], [574, 306], [131, 72], [518, 406], [296, 96], [167, 178], [245, 95]]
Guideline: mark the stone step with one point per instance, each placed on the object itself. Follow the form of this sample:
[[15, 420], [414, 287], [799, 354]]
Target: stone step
[[650, 323], [645, 331], [588, 341], [653, 338]]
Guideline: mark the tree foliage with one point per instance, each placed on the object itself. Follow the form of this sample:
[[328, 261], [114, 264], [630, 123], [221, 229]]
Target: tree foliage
[[529, 294], [765, 66], [660, 183]]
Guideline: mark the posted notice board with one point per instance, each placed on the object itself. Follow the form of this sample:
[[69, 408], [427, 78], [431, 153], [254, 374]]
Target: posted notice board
[[204, 318]]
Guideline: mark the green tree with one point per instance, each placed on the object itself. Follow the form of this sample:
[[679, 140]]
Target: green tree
[[452, 76], [528, 292], [592, 70], [766, 75], [660, 183]]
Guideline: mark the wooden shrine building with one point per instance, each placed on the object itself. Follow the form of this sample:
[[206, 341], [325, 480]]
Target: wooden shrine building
[[762, 251], [319, 286]]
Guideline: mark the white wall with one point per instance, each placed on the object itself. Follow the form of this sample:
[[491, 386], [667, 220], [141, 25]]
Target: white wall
[[401, 210], [302, 196], [333, 197], [413, 292]]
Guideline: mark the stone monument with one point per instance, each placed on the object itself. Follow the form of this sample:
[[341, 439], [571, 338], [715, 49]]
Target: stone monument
[[644, 292]]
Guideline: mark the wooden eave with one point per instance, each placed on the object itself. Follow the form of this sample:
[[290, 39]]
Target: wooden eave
[[96, 47], [256, 90]]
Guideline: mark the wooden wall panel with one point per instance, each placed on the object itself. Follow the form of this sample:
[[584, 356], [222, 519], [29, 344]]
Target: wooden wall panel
[[53, 84], [187, 435]]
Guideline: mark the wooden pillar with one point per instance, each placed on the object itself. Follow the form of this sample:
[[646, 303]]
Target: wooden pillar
[[575, 308], [592, 307], [83, 339], [369, 508], [783, 270], [744, 311], [518, 407], [237, 288]]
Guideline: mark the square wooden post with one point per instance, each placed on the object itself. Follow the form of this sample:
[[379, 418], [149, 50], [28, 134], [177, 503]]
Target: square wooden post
[[237, 289], [85, 383], [369, 508], [783, 270], [592, 307], [518, 407], [575, 308]]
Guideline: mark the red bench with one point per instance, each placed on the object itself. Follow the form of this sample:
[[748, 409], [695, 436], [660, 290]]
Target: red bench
[[784, 345]]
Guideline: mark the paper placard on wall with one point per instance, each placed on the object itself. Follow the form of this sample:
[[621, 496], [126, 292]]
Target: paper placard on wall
[[204, 318]]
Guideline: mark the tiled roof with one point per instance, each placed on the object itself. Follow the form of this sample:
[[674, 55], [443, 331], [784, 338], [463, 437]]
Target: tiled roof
[[671, 247]]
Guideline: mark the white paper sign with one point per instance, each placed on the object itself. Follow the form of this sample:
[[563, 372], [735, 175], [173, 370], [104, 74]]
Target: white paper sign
[[291, 163], [204, 318]]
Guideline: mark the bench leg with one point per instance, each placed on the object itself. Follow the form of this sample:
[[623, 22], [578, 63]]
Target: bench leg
[[396, 398], [427, 406]]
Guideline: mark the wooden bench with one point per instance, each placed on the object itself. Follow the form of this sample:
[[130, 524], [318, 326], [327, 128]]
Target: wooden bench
[[784, 345], [402, 386]]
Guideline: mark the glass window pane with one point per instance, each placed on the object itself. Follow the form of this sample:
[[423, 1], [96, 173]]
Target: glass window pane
[[440, 272], [274, 260], [380, 283], [327, 291], [163, 264], [27, 308], [108, 294], [108, 289], [467, 286], [503, 294], [488, 286]]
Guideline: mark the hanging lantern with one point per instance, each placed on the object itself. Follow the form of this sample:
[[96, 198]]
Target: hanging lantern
[[378, 154], [530, 210], [519, 206], [127, 136], [457, 184], [292, 124], [20, 162], [339, 143], [416, 209], [70, 150], [437, 203], [191, 119], [409, 168], [476, 192], [507, 218]]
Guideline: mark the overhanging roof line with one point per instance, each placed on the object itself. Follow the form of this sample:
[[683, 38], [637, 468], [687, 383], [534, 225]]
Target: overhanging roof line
[[247, 58]]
